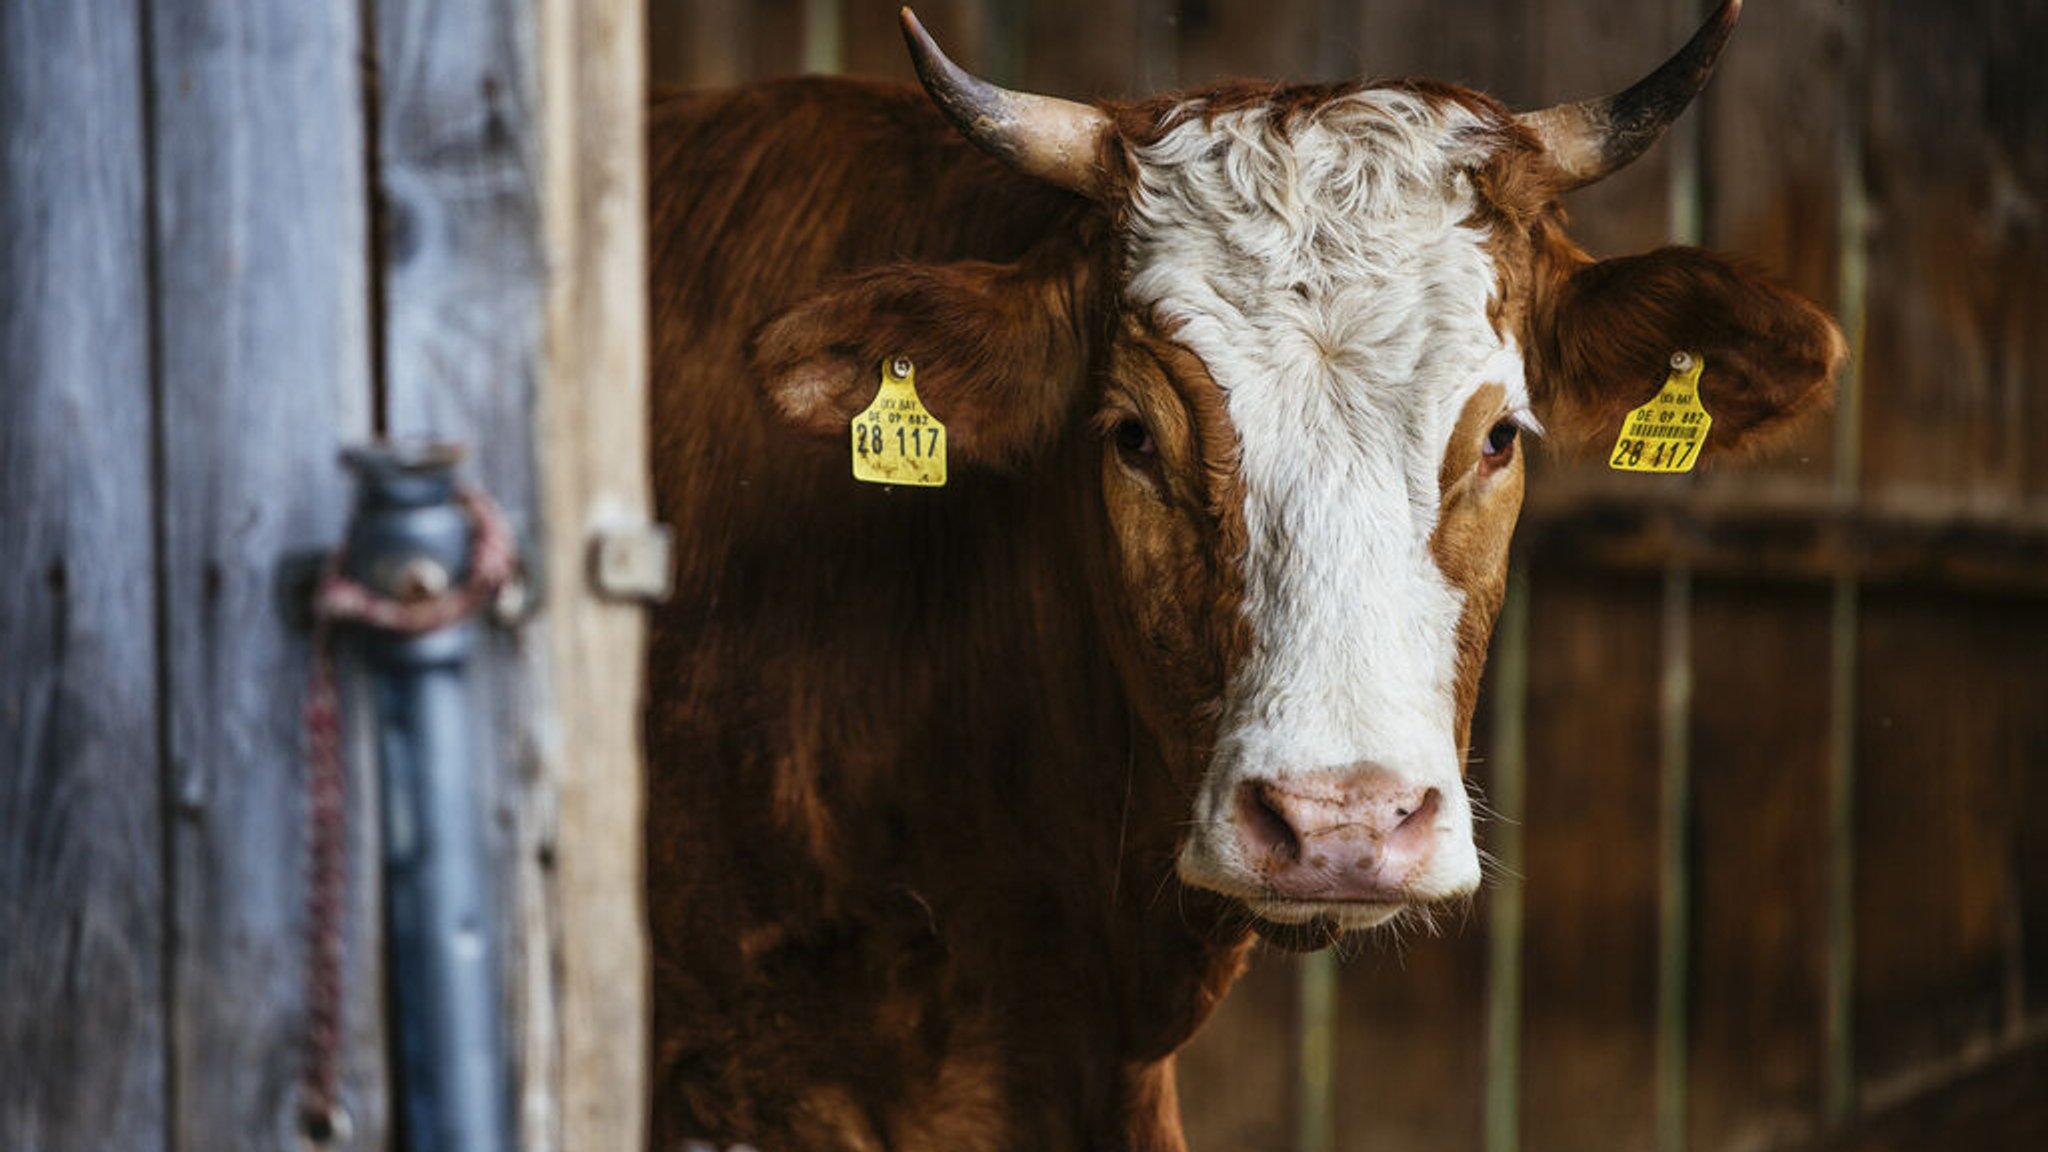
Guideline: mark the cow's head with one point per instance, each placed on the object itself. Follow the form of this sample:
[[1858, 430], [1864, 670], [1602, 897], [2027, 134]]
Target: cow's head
[[1309, 329]]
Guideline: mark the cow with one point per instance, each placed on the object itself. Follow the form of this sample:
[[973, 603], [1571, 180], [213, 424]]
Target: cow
[[966, 802]]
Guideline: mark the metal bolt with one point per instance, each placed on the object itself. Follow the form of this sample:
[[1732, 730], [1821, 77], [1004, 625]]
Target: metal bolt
[[420, 578], [334, 1128], [900, 367], [1681, 361]]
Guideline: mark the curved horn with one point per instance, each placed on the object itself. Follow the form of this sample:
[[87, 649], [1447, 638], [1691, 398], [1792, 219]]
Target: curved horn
[[1055, 140], [1594, 138]]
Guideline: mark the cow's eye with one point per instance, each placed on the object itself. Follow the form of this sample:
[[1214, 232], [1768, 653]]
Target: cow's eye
[[1133, 438], [1500, 441]]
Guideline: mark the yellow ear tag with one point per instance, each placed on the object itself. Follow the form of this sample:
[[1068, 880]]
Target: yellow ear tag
[[1666, 434], [895, 441]]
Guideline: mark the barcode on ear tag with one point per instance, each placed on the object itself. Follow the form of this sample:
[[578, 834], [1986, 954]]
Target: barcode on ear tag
[[895, 439], [1666, 434]]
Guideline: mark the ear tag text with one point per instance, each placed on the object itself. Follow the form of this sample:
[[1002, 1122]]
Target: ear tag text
[[1666, 434], [895, 440]]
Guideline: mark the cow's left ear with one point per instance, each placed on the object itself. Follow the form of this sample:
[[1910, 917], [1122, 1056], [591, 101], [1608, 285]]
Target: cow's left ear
[[1000, 352], [1603, 333]]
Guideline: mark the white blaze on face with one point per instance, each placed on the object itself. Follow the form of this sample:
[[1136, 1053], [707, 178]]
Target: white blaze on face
[[1328, 278]]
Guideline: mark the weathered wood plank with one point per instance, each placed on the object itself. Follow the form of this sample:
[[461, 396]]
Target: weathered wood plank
[[1277, 40], [699, 43], [1237, 1079], [591, 434], [459, 170], [1484, 45], [1959, 248], [713, 43], [1759, 785], [81, 855], [1084, 50], [1590, 952], [1996, 1105], [263, 292], [1785, 532], [1949, 703], [1411, 1059], [873, 37]]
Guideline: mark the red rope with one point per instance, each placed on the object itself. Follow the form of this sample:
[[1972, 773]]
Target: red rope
[[339, 600]]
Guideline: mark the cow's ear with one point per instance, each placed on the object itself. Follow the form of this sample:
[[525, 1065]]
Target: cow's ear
[[1604, 333], [1000, 352]]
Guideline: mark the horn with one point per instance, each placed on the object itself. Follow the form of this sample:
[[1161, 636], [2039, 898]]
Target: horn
[[1055, 140], [1594, 138]]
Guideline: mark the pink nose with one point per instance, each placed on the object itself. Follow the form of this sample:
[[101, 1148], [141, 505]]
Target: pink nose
[[1358, 833]]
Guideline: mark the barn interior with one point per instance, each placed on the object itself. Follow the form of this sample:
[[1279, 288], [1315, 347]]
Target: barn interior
[[1764, 749]]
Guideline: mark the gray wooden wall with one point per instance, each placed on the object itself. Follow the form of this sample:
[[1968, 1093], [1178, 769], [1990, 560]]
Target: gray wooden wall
[[233, 238]]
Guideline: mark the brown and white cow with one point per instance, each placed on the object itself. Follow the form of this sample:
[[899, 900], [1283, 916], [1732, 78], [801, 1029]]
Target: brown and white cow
[[965, 802]]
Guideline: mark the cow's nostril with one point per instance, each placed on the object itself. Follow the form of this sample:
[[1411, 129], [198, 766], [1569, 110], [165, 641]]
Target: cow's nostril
[[1423, 814], [1264, 825]]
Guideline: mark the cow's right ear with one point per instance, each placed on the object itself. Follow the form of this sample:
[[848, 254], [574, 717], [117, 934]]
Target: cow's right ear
[[1000, 352], [1604, 333]]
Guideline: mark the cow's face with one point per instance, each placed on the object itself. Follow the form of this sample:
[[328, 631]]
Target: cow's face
[[1311, 425], [1332, 317]]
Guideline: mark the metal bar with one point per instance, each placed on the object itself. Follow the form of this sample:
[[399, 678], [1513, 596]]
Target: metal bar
[[1509, 787], [444, 981], [1315, 1102]]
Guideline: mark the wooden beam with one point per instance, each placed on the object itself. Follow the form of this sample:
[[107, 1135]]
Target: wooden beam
[[82, 1036], [590, 433], [1787, 534], [262, 310]]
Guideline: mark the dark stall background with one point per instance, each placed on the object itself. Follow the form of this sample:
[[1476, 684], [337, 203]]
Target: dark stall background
[[1767, 745]]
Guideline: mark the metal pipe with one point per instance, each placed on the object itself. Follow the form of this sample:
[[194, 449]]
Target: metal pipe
[[409, 539]]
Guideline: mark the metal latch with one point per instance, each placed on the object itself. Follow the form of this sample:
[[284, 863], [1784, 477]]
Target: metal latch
[[635, 564]]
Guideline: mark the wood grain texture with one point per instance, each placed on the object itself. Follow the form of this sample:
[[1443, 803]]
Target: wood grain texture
[[1759, 784], [590, 431], [873, 36], [1590, 954], [1998, 1104], [1484, 44], [1411, 1061], [81, 855], [1088, 51], [262, 305], [1957, 109], [1276, 40], [460, 171], [1949, 706], [714, 43], [1237, 1078], [700, 43]]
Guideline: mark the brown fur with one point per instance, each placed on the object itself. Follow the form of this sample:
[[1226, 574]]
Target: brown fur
[[1478, 504], [919, 760], [910, 849]]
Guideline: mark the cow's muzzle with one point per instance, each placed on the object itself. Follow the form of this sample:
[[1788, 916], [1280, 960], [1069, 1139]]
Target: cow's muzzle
[[1347, 847]]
